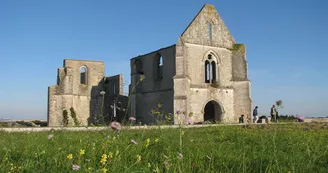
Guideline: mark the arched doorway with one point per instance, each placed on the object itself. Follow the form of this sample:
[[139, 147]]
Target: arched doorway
[[212, 111]]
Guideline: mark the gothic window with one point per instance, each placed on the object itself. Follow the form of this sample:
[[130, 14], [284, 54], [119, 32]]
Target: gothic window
[[213, 67], [83, 75], [159, 66], [209, 28], [207, 72], [210, 70]]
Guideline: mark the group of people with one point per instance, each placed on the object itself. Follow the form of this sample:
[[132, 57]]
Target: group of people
[[273, 114]]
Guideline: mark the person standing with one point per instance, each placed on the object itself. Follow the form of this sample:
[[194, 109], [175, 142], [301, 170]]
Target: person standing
[[273, 113], [255, 115]]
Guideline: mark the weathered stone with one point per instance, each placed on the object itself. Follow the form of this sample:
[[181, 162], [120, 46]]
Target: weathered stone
[[183, 86]]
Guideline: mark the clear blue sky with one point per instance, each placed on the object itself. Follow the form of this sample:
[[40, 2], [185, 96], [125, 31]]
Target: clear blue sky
[[286, 45]]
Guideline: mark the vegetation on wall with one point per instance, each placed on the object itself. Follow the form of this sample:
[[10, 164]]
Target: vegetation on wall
[[73, 115], [238, 47], [65, 118]]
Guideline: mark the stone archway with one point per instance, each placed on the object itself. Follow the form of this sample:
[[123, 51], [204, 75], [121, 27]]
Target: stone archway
[[212, 111]]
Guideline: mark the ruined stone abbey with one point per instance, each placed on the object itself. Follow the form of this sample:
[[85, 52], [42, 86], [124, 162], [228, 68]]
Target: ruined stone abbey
[[203, 76]]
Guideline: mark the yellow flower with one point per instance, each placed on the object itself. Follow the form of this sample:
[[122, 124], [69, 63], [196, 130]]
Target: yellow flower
[[156, 140], [70, 156], [82, 152], [103, 170], [147, 142], [110, 155], [103, 159], [138, 158]]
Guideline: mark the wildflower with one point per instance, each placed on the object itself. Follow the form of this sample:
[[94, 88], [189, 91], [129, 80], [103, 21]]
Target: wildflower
[[50, 136], [147, 142], [167, 164], [103, 159], [182, 133], [156, 140], [142, 77], [43, 152], [190, 122], [149, 165], [115, 126], [76, 167], [180, 155], [103, 170], [138, 158], [132, 119], [82, 152], [110, 155], [70, 156], [108, 136], [133, 142], [159, 105]]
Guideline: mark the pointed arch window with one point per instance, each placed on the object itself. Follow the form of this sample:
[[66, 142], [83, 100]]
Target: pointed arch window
[[210, 70], [213, 68], [207, 72], [83, 75]]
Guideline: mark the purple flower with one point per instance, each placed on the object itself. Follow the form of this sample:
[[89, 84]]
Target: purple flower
[[76, 167], [115, 126], [50, 136], [132, 119], [133, 142]]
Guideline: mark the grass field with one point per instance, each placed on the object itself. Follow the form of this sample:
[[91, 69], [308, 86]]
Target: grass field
[[263, 148]]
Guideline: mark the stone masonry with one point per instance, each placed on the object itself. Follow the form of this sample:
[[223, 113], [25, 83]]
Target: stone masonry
[[79, 86], [203, 77]]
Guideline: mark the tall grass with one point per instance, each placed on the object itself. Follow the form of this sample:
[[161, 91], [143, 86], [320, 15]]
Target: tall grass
[[263, 148]]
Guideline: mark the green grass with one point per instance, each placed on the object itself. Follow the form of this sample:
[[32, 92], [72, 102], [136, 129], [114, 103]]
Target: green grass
[[264, 148]]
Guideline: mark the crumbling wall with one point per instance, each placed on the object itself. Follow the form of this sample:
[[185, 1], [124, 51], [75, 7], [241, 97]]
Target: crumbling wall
[[157, 86], [71, 93]]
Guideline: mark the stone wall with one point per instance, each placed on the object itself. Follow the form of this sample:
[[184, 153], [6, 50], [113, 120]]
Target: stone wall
[[71, 93], [154, 89], [191, 92], [82, 91]]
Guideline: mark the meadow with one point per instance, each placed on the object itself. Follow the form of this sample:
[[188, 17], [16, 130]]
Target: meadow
[[250, 148]]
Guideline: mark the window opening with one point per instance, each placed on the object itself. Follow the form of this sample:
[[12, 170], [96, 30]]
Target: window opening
[[83, 75]]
